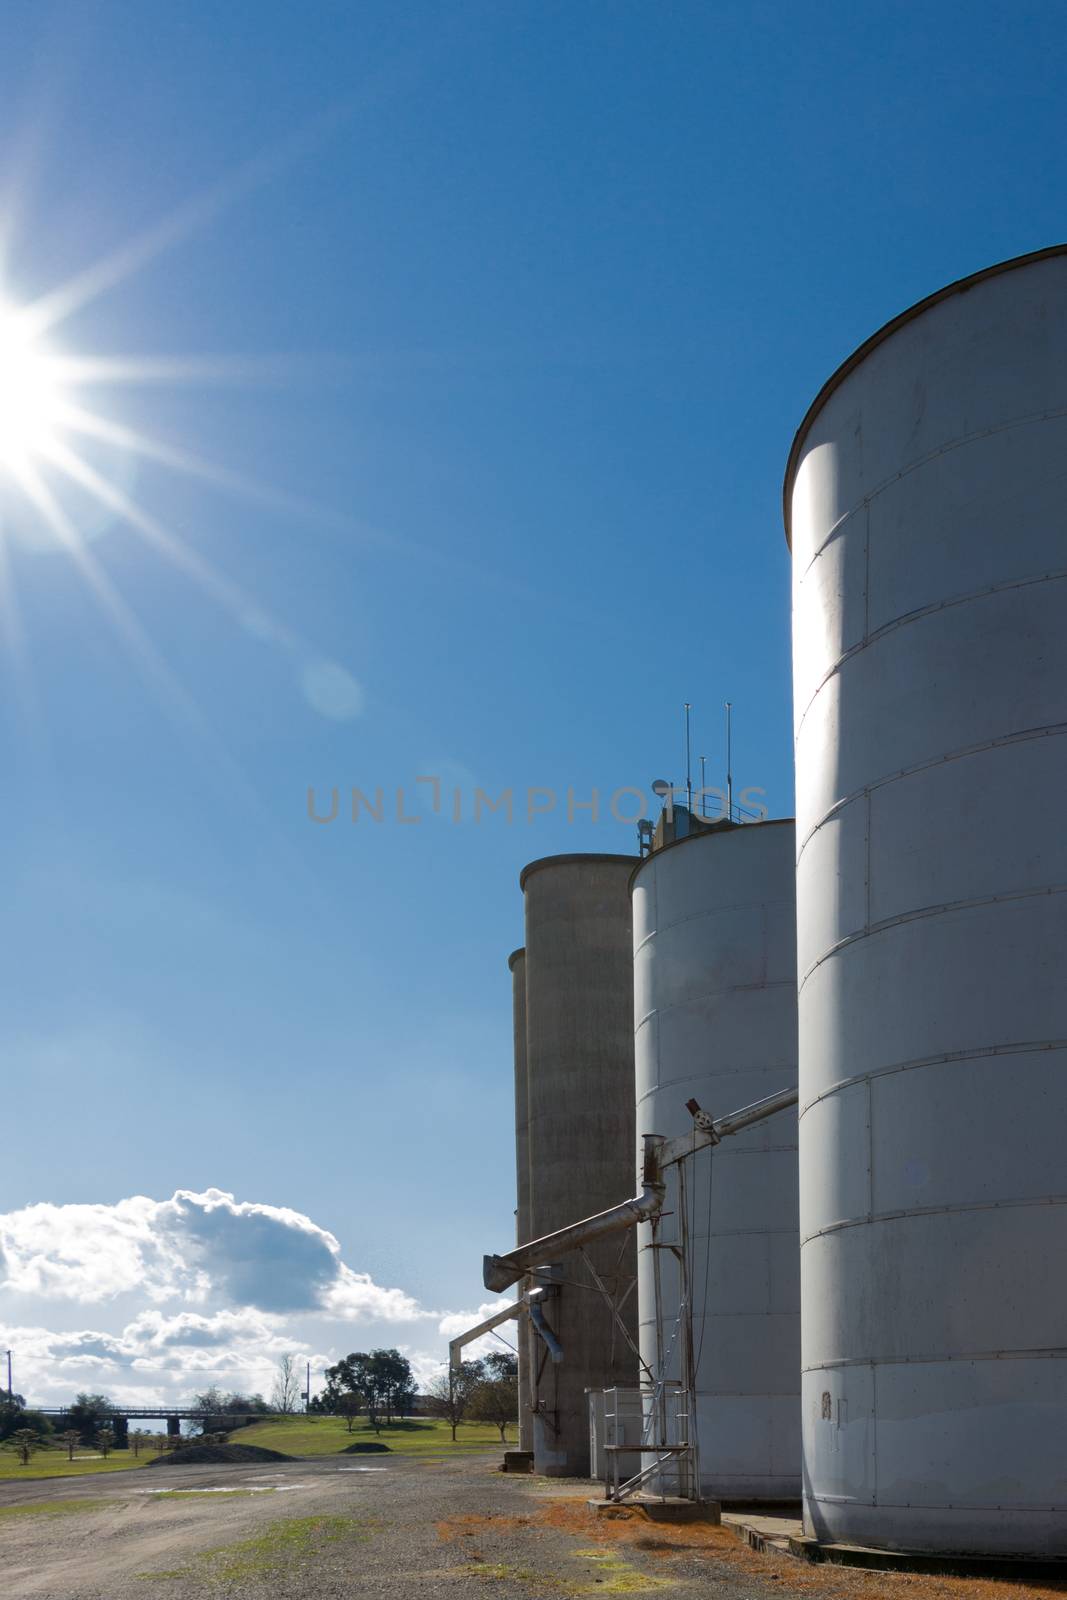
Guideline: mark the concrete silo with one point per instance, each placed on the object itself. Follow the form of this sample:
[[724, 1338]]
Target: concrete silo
[[580, 1064], [925, 497], [716, 1021], [517, 968]]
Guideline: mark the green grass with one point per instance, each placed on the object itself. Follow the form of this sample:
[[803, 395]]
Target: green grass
[[54, 1464], [282, 1545], [328, 1436], [52, 1508]]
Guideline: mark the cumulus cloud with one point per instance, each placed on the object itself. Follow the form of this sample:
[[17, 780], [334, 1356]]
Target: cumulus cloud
[[153, 1357], [454, 1322], [355, 1294], [191, 1247], [154, 1300]]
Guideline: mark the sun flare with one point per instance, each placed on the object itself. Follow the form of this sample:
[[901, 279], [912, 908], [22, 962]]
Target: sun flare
[[32, 398]]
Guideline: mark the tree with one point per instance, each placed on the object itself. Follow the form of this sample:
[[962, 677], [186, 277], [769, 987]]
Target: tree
[[450, 1395], [14, 1415], [286, 1389], [225, 1412], [24, 1441], [349, 1406], [71, 1438], [392, 1381], [137, 1441], [501, 1364], [382, 1379], [496, 1400], [105, 1441], [89, 1413]]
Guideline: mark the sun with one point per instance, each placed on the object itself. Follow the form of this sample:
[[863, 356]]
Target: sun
[[32, 397]]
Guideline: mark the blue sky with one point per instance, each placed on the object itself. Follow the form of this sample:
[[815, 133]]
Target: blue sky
[[519, 306]]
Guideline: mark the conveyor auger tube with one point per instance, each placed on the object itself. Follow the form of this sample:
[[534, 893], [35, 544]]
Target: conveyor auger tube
[[500, 1272]]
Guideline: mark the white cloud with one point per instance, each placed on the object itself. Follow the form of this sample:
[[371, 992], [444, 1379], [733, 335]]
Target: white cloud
[[425, 1365], [196, 1290], [355, 1294], [153, 1356], [193, 1247], [454, 1322], [85, 1252]]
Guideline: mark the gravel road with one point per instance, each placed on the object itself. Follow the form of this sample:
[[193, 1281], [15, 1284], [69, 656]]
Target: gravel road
[[316, 1529]]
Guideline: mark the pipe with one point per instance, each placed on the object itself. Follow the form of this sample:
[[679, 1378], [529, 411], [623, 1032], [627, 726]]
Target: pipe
[[708, 1130], [500, 1272], [537, 1317]]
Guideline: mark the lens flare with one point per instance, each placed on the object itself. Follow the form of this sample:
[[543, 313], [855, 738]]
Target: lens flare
[[31, 393]]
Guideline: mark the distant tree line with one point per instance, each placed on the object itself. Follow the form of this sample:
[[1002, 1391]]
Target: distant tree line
[[377, 1383], [225, 1411], [381, 1386]]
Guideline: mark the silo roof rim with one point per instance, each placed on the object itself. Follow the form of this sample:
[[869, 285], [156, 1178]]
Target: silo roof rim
[[569, 860], [514, 956], [837, 377], [721, 833]]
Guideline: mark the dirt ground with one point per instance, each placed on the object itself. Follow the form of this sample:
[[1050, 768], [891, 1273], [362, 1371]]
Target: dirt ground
[[320, 1528]]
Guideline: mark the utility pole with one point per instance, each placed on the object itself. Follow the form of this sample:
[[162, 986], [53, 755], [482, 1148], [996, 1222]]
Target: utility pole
[[703, 787], [10, 1390], [307, 1394]]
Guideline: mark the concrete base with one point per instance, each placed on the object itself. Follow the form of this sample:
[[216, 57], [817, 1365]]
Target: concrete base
[[657, 1509], [784, 1535], [1010, 1569], [769, 1533], [517, 1461]]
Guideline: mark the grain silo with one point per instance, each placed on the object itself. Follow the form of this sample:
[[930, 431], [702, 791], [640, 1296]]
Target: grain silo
[[580, 1064], [925, 500], [715, 1021]]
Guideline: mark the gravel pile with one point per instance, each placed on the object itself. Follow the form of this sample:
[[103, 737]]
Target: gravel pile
[[195, 1455]]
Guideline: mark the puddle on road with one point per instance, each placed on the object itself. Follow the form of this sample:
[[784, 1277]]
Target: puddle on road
[[233, 1488], [363, 1469]]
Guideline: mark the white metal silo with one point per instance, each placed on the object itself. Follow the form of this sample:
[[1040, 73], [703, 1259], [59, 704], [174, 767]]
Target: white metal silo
[[926, 498], [715, 1021]]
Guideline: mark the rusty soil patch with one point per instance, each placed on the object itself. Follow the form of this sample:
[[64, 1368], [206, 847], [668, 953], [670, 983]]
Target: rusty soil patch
[[688, 1542]]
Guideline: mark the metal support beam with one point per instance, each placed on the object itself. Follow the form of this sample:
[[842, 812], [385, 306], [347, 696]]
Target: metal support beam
[[455, 1346]]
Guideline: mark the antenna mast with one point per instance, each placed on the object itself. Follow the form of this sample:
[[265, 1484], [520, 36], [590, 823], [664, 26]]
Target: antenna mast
[[688, 761], [729, 760]]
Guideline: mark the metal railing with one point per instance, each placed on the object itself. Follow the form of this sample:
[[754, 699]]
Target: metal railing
[[651, 1421]]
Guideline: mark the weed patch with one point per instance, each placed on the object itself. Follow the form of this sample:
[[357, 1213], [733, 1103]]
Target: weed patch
[[53, 1508], [282, 1546]]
